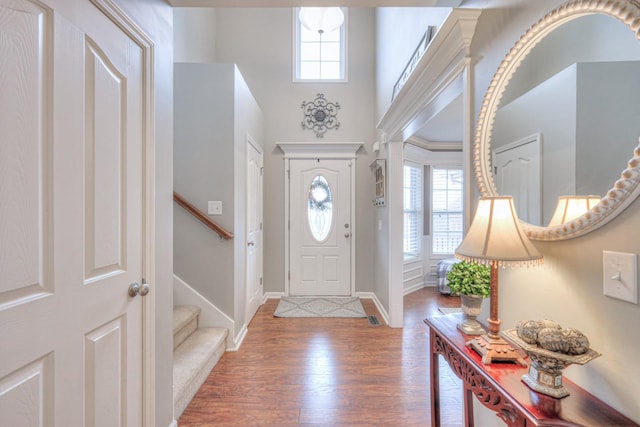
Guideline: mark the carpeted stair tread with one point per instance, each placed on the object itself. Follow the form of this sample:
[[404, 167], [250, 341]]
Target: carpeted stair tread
[[185, 322], [193, 360]]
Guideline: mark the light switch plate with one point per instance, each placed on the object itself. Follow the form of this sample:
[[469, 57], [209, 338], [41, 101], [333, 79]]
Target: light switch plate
[[214, 207], [620, 276]]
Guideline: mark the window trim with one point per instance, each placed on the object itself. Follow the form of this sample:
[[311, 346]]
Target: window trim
[[344, 29]]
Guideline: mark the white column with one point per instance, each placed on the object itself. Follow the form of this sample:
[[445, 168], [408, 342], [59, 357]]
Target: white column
[[395, 159]]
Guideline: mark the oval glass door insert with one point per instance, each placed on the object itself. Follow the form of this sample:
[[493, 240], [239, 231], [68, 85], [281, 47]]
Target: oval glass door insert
[[320, 208]]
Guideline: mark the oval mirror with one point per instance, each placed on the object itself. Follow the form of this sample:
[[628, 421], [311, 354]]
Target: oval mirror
[[561, 118]]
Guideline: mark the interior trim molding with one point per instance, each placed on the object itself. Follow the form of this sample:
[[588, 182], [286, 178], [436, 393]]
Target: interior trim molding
[[437, 78], [312, 150], [434, 145]]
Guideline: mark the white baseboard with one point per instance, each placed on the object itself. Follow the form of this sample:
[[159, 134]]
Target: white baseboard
[[413, 288], [174, 423], [237, 342], [210, 315], [272, 295], [376, 301]]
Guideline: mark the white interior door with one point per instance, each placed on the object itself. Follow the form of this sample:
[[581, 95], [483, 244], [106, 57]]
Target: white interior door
[[71, 216], [254, 229], [517, 174], [320, 227]]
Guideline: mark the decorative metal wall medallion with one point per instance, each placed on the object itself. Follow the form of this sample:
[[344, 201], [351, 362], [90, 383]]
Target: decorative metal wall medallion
[[320, 115]]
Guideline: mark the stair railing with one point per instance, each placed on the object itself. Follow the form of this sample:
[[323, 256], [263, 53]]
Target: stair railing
[[202, 217]]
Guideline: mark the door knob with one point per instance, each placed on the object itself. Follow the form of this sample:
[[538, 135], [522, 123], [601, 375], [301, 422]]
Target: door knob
[[144, 289], [347, 235], [135, 289]]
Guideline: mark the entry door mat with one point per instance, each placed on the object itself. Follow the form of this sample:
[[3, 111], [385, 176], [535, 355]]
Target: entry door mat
[[319, 307]]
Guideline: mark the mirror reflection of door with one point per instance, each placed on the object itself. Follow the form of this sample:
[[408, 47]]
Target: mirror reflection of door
[[320, 234], [516, 169]]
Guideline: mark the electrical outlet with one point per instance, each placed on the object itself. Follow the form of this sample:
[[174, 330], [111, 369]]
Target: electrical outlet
[[620, 276], [214, 207]]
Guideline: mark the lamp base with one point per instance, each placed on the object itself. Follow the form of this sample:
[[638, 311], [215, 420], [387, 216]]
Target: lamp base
[[495, 350]]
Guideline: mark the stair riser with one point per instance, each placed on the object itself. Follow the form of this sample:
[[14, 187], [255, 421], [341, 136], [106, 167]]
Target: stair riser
[[192, 363], [182, 334]]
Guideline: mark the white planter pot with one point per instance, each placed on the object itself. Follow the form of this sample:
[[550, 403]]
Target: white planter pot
[[471, 308]]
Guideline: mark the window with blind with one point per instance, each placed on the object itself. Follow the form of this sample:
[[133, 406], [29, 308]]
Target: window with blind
[[412, 211], [446, 210]]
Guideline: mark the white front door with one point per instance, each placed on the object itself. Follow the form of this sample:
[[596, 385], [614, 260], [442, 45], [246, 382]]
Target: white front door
[[321, 229], [254, 229], [517, 174], [72, 130]]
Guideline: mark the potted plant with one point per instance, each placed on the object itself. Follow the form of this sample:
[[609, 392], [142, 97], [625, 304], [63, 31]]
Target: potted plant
[[472, 282]]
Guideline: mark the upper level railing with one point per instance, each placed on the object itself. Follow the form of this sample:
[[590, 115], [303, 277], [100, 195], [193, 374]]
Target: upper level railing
[[224, 234]]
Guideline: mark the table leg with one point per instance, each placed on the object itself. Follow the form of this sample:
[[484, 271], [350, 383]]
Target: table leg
[[435, 381], [468, 407]]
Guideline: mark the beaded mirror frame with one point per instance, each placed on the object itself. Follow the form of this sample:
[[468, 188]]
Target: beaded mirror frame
[[626, 189]]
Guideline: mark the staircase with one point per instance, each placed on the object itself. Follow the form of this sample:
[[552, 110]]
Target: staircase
[[195, 353]]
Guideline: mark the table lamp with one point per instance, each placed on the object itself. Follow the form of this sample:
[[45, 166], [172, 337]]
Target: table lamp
[[495, 238], [571, 207]]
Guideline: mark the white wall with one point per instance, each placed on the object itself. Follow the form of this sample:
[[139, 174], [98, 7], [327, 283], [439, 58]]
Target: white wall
[[551, 109], [195, 40], [204, 170], [398, 31], [156, 19], [568, 288], [260, 42], [214, 111]]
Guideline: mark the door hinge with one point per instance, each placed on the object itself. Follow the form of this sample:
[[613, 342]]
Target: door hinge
[[289, 173], [261, 281], [261, 169], [260, 226], [289, 225], [289, 275]]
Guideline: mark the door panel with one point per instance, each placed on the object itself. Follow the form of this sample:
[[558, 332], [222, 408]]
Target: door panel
[[254, 230], [320, 231], [71, 164], [517, 172]]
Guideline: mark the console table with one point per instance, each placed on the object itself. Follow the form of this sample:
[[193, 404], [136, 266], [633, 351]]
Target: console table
[[499, 388]]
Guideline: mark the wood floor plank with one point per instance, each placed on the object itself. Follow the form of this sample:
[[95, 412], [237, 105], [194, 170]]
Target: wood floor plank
[[329, 372]]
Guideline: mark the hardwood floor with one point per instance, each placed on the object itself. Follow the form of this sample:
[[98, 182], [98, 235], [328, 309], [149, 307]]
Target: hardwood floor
[[329, 372]]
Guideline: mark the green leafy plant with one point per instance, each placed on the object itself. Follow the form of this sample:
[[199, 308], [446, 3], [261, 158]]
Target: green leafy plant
[[468, 278]]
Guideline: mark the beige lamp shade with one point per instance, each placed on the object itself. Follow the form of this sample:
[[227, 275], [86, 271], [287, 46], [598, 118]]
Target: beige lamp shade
[[321, 19], [495, 235], [571, 207]]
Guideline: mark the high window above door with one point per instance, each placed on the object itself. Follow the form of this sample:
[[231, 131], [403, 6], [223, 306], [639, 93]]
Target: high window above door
[[320, 44]]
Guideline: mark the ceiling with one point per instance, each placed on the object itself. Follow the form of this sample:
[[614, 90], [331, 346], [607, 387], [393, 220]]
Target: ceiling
[[293, 3], [446, 125]]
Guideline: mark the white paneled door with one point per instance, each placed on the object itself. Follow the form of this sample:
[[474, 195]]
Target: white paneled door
[[517, 173], [320, 227], [72, 132], [254, 229]]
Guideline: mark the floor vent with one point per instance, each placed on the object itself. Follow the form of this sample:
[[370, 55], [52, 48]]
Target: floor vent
[[373, 320]]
